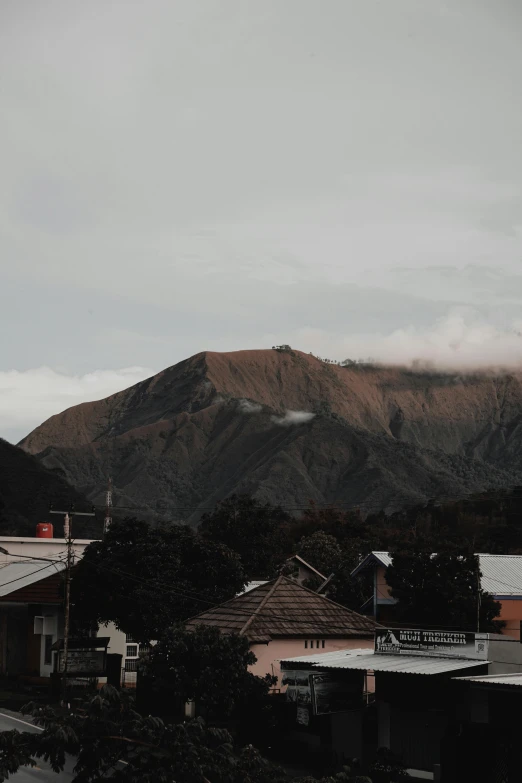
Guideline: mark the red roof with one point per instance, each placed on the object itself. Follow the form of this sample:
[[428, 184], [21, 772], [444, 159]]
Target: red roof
[[284, 608]]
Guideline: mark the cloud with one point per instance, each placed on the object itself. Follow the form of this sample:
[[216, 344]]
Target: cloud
[[293, 417], [246, 406], [464, 339], [28, 398]]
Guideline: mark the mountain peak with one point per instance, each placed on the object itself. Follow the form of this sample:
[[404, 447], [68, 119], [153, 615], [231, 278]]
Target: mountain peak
[[288, 427]]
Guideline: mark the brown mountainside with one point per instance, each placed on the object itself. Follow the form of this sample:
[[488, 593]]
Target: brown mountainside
[[216, 424]]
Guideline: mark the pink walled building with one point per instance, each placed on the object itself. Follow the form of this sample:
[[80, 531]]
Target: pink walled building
[[281, 619]]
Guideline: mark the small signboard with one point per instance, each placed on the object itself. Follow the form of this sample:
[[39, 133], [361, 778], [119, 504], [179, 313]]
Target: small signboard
[[333, 692], [298, 690], [322, 693], [89, 663], [454, 644]]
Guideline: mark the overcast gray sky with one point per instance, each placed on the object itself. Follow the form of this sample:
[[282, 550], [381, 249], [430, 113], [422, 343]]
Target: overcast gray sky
[[182, 175]]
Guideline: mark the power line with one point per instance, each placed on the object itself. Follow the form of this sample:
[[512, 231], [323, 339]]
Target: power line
[[161, 587], [154, 584], [311, 505], [24, 576]]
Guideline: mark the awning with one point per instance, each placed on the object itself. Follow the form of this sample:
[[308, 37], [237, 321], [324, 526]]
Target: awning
[[510, 680], [365, 660]]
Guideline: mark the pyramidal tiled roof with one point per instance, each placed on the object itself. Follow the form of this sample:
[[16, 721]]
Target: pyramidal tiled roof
[[283, 607]]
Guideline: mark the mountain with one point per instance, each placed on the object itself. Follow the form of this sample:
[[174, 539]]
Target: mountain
[[26, 490], [219, 423]]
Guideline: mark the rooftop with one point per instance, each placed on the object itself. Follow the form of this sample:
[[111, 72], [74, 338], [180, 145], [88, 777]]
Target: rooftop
[[501, 574], [367, 660], [14, 576], [509, 680], [284, 608]]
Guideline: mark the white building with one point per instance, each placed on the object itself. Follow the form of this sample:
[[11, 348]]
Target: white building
[[31, 606]]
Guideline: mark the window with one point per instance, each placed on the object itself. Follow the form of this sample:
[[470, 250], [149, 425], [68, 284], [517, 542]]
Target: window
[[322, 643], [132, 651], [317, 643], [48, 653], [129, 638], [306, 644], [131, 664], [144, 648]]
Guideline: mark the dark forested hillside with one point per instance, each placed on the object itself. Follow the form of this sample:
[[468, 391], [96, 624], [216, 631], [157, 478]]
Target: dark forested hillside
[[27, 489]]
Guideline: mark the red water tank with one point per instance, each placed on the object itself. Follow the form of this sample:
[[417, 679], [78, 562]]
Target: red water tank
[[44, 530]]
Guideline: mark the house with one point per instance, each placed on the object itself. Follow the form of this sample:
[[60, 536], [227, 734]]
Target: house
[[31, 605], [501, 576], [31, 616], [420, 708], [281, 618]]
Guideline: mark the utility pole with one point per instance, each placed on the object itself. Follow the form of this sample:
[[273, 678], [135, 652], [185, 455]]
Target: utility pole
[[478, 598], [108, 507], [67, 529]]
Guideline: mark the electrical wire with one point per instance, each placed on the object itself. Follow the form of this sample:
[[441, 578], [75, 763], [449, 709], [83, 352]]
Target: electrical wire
[[289, 621], [308, 505], [24, 576], [198, 597]]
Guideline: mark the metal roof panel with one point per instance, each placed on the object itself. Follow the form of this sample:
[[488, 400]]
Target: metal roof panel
[[501, 574], [14, 576], [514, 680], [365, 660]]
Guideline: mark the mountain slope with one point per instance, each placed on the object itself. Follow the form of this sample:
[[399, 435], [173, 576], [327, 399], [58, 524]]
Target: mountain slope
[[215, 424], [26, 490]]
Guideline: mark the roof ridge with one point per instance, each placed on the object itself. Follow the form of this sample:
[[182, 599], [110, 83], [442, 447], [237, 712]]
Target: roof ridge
[[261, 605], [328, 600]]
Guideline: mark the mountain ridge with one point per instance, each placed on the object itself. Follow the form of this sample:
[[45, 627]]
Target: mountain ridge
[[218, 423]]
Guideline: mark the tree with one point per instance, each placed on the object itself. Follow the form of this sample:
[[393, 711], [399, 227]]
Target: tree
[[207, 667], [110, 739], [145, 579], [441, 589], [322, 551], [337, 560], [257, 531]]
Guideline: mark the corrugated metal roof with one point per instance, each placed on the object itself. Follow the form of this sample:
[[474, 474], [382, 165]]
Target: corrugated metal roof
[[384, 557], [14, 576], [501, 574], [326, 657], [364, 660], [514, 680]]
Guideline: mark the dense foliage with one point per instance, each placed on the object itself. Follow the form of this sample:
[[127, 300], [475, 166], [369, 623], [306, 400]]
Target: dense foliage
[[119, 579], [107, 737], [336, 560], [258, 532], [441, 589], [145, 578], [207, 667]]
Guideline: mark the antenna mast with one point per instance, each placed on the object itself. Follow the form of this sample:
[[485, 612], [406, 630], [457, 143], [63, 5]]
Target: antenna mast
[[108, 506]]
